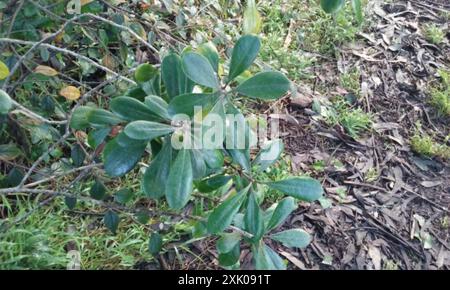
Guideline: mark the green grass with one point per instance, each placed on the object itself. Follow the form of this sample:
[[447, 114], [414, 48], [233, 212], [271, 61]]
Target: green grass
[[440, 94], [424, 145], [354, 120], [351, 81], [41, 241], [434, 33]]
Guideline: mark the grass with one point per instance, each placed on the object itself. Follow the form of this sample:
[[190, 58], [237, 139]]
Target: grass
[[424, 145], [42, 241], [440, 94], [351, 81], [354, 120], [434, 33]]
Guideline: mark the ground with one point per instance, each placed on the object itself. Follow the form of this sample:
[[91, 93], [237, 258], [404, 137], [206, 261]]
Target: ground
[[365, 119]]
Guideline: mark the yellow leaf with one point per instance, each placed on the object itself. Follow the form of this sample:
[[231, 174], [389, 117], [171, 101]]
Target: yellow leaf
[[84, 2], [252, 19], [70, 92], [45, 70], [4, 71]]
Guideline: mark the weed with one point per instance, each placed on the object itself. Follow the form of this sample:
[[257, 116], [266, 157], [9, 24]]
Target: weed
[[426, 146], [351, 81], [440, 94], [434, 33]]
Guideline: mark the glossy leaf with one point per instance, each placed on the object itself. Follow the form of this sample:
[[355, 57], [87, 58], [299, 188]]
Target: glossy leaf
[[175, 80], [123, 196], [158, 106], [157, 174], [253, 218], [284, 208], [77, 154], [269, 154], [223, 215], [155, 244], [79, 119], [209, 51], [212, 183], [267, 259], [100, 117], [147, 130], [331, 6], [131, 109], [244, 54], [5, 102], [9, 152], [303, 188], [120, 156], [184, 104], [230, 258], [199, 70], [145, 72], [294, 238], [268, 85], [111, 221], [227, 242], [98, 190], [97, 136], [179, 183]]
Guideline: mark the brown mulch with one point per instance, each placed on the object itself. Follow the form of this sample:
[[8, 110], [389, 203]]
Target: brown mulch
[[399, 218]]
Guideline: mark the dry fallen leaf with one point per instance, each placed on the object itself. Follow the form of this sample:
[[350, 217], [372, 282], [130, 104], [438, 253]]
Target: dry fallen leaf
[[70, 92], [375, 255], [45, 70]]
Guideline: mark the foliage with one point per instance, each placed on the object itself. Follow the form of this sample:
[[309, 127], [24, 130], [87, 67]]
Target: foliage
[[434, 33], [440, 94]]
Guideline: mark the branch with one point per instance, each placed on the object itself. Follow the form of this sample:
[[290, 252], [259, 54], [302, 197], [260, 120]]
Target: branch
[[69, 52]]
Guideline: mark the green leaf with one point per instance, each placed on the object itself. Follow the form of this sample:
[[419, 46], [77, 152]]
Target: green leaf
[[198, 164], [146, 130], [120, 158], [184, 104], [253, 219], [157, 174], [14, 177], [212, 183], [131, 109], [244, 54], [213, 158], [98, 190], [175, 80], [267, 259], [252, 20], [331, 6], [77, 154], [5, 102], [230, 258], [97, 136], [227, 242], [4, 70], [9, 152], [70, 202], [284, 208], [179, 183], [79, 119], [158, 106], [303, 188], [209, 51], [294, 238], [223, 215], [145, 72], [143, 216], [155, 244], [199, 70], [123, 196], [269, 154], [111, 221], [357, 9], [100, 117], [267, 85]]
